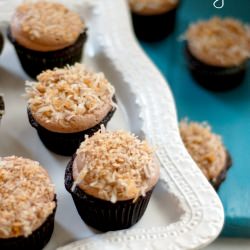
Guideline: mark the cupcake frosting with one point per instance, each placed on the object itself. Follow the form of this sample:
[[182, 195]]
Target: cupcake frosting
[[206, 148], [115, 166], [219, 42], [26, 196], [151, 7], [45, 26], [71, 99]]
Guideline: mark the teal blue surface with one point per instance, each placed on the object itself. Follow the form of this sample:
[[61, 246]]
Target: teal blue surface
[[228, 113]]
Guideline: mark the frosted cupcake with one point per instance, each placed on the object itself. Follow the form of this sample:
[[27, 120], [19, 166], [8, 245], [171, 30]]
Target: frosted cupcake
[[207, 150], [153, 20], [111, 179], [217, 51], [28, 204], [46, 35], [66, 104]]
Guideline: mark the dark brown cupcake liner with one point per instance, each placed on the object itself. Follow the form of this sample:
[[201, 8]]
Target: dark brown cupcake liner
[[222, 176], [34, 62], [215, 78], [152, 28], [1, 42], [35, 241], [65, 143], [2, 107], [104, 215]]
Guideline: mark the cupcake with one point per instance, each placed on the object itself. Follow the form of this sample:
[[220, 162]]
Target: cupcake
[[46, 35], [217, 51], [66, 104], [2, 108], [207, 150], [28, 204], [111, 178], [153, 20]]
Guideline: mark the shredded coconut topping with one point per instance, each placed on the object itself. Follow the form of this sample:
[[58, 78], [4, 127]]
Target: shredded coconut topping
[[206, 148], [26, 196], [48, 23], [64, 96], [115, 166], [219, 42]]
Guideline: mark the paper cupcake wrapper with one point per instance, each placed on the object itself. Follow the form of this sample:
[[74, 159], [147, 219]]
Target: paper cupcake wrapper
[[34, 62], [2, 107], [1, 42], [35, 241], [222, 176], [215, 78], [154, 27], [104, 215], [65, 143]]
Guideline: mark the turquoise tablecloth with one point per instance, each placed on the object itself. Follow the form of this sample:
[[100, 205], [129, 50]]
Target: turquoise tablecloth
[[228, 113]]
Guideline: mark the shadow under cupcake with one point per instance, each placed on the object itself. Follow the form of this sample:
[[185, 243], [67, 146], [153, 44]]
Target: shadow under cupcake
[[66, 105], [111, 179], [46, 35]]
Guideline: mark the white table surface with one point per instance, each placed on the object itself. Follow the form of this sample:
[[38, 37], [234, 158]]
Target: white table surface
[[230, 244]]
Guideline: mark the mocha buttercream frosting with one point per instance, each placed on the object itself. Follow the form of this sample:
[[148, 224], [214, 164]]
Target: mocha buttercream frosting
[[70, 99], [152, 7], [219, 42], [45, 26], [26, 196], [115, 166]]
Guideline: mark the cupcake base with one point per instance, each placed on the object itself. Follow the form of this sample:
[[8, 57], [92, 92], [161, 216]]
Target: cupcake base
[[36, 241], [65, 143], [222, 176], [34, 62], [215, 78], [104, 215], [152, 28]]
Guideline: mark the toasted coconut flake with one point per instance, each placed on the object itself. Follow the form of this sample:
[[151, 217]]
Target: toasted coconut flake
[[63, 96], [48, 22], [115, 165], [206, 148], [219, 42], [26, 195]]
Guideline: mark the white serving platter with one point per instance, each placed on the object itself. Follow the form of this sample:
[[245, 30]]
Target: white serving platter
[[184, 212]]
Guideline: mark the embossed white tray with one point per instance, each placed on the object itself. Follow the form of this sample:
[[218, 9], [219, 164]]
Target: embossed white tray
[[184, 212]]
